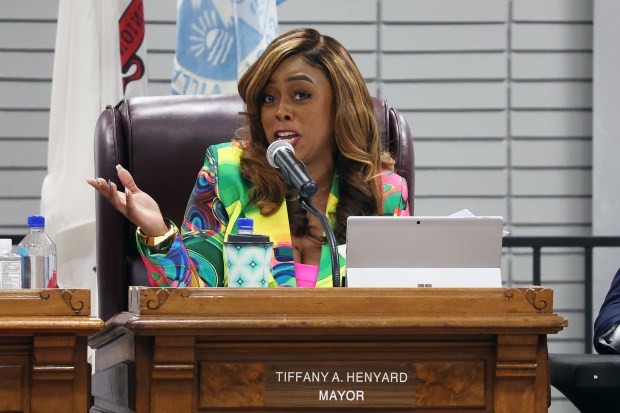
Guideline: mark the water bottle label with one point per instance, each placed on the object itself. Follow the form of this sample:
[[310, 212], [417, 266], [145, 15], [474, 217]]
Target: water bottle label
[[10, 275], [22, 251]]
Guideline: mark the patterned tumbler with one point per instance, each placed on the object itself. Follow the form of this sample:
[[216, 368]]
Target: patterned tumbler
[[248, 260]]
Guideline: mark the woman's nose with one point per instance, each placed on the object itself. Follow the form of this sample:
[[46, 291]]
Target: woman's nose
[[283, 113]]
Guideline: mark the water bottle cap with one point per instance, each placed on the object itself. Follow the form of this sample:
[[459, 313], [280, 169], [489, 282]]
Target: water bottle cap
[[245, 224], [6, 244], [36, 221]]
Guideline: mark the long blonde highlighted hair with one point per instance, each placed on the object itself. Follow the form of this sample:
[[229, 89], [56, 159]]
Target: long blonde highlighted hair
[[359, 155]]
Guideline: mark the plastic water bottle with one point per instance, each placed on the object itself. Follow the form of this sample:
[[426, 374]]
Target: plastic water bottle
[[38, 254], [245, 226], [10, 266]]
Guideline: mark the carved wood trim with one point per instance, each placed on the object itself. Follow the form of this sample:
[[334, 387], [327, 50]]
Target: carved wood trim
[[396, 302], [538, 298], [74, 299], [155, 298], [48, 302]]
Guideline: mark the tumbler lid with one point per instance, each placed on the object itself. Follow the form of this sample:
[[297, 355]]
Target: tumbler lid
[[248, 239]]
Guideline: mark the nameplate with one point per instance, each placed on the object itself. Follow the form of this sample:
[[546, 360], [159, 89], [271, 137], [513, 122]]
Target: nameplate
[[333, 385], [350, 384]]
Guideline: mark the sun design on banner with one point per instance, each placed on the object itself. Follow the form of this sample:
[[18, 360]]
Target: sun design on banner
[[217, 40], [208, 36]]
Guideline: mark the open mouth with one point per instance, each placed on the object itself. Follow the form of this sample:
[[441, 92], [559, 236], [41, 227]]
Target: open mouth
[[289, 136]]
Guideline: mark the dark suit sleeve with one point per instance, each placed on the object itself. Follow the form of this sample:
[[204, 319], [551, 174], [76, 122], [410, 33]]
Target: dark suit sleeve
[[609, 315]]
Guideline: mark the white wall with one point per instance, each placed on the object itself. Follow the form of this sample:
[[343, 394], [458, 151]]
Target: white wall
[[27, 33]]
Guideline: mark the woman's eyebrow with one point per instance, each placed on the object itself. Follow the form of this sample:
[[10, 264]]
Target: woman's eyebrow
[[293, 78], [299, 77]]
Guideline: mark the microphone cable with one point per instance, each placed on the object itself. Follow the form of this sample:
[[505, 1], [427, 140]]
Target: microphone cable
[[306, 204]]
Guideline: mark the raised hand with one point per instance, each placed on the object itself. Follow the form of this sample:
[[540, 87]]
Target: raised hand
[[135, 205]]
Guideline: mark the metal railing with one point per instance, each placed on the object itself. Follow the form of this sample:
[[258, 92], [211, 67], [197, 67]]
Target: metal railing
[[588, 244]]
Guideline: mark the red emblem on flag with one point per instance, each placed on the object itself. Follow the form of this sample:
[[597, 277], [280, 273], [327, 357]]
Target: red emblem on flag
[[131, 34]]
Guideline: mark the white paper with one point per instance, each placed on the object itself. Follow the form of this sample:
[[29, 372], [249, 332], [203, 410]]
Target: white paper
[[467, 213]]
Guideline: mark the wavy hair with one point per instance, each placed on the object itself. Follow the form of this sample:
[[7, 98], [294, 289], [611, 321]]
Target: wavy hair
[[359, 156]]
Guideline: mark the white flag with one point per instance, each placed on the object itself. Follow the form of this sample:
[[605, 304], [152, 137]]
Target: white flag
[[89, 61], [217, 40]]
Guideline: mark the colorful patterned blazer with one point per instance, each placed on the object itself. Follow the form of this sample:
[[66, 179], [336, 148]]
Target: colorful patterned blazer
[[220, 196]]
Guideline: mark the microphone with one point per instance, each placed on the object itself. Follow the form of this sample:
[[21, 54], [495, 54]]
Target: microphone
[[281, 155]]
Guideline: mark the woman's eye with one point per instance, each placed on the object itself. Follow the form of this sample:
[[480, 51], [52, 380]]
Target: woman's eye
[[266, 99], [301, 95]]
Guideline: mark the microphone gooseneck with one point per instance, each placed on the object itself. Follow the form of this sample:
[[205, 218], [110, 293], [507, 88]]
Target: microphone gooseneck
[[281, 155], [331, 238]]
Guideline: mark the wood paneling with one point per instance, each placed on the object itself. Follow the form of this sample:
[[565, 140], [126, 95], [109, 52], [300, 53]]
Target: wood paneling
[[43, 364], [222, 349]]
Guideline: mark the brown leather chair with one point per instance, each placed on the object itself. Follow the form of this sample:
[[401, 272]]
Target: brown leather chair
[[162, 142]]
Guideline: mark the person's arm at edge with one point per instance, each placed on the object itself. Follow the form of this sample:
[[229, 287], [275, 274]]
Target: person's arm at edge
[[606, 331]]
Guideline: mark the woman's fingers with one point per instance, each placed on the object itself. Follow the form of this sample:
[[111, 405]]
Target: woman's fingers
[[108, 190], [126, 179], [129, 202], [151, 225], [138, 207], [116, 197], [100, 185], [94, 182]]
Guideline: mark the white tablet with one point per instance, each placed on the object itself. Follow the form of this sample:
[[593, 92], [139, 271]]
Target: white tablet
[[424, 251]]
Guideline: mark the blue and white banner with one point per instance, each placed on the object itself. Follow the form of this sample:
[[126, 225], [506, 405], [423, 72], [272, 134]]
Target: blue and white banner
[[217, 40]]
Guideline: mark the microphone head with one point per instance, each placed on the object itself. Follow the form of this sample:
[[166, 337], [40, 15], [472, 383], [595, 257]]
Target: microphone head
[[274, 148]]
